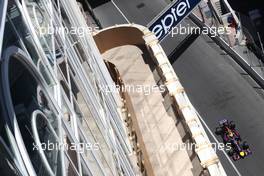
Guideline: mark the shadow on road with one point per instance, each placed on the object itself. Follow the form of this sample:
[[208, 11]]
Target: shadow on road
[[180, 49]]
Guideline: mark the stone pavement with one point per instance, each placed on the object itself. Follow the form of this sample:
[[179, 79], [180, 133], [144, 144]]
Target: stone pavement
[[154, 117]]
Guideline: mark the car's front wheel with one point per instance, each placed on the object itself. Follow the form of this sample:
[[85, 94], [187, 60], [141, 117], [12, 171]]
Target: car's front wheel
[[231, 152], [245, 145], [218, 131]]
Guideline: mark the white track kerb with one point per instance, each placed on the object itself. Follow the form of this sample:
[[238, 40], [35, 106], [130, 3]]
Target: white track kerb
[[204, 149]]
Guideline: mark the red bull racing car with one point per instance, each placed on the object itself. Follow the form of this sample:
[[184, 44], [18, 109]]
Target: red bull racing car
[[227, 130]]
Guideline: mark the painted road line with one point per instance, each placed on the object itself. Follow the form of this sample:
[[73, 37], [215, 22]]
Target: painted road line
[[120, 11]]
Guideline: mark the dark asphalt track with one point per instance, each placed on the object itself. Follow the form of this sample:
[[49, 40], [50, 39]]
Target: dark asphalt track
[[216, 86], [218, 90]]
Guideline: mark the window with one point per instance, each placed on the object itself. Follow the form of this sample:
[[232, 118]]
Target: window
[[7, 164], [27, 97]]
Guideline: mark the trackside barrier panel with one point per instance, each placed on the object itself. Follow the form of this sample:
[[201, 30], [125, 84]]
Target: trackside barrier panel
[[162, 25]]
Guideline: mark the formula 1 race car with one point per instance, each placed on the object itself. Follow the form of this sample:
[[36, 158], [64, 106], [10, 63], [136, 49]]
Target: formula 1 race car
[[227, 130]]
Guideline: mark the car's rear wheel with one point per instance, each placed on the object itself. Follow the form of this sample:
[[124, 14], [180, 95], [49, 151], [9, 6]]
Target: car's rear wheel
[[218, 131], [245, 145], [231, 152], [232, 125]]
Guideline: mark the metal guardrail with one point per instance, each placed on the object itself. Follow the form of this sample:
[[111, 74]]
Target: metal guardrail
[[237, 58], [255, 48]]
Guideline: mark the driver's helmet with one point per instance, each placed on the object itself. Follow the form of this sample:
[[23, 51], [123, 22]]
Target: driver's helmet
[[242, 153]]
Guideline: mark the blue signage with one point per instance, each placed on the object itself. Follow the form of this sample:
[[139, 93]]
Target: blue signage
[[171, 17]]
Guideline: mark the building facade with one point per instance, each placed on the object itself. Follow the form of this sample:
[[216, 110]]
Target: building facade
[[55, 117]]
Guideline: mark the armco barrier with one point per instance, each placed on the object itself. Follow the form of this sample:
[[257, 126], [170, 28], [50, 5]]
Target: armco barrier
[[231, 52], [204, 149]]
